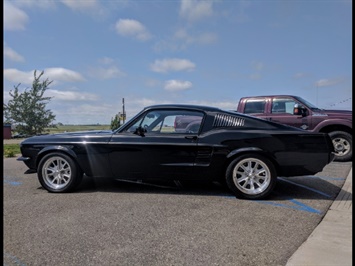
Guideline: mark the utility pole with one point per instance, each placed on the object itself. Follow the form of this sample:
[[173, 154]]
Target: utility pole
[[123, 112]]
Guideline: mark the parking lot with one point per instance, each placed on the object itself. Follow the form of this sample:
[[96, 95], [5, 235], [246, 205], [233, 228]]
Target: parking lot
[[108, 222]]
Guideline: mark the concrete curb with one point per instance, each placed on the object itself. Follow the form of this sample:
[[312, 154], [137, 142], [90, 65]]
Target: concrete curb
[[331, 242]]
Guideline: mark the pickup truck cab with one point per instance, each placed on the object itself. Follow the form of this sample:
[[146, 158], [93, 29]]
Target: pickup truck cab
[[297, 112]]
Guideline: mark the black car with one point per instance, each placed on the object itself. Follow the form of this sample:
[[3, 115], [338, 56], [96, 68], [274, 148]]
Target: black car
[[245, 152]]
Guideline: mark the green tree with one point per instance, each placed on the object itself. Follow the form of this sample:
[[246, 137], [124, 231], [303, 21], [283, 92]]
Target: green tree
[[27, 110], [115, 122]]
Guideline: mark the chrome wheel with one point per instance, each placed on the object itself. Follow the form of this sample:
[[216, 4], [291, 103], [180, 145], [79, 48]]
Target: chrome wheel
[[56, 172], [341, 146], [342, 142], [251, 176]]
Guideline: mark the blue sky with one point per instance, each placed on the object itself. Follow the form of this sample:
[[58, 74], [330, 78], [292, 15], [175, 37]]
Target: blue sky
[[170, 51]]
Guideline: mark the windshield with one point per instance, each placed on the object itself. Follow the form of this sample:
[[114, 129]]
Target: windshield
[[308, 104]]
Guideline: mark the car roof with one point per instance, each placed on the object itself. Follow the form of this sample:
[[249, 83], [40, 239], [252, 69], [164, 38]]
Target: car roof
[[184, 106], [267, 96]]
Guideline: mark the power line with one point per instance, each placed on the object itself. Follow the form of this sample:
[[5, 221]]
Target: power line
[[343, 101]]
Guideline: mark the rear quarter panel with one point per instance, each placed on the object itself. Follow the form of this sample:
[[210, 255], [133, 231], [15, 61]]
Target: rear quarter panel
[[293, 153]]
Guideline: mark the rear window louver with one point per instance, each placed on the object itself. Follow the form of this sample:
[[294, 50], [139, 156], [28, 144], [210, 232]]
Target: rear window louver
[[221, 120]]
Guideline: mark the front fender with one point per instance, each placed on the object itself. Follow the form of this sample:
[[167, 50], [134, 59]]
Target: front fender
[[60, 148], [333, 122]]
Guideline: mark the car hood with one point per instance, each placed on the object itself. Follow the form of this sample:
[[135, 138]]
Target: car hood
[[77, 136], [344, 114]]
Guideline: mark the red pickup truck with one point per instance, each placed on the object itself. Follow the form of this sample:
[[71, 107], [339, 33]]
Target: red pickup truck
[[297, 112]]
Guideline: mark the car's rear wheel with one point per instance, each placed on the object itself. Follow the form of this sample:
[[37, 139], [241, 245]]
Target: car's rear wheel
[[342, 142], [58, 172], [251, 176]]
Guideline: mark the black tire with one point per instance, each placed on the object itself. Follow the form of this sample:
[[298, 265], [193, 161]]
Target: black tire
[[251, 176], [58, 173], [343, 145]]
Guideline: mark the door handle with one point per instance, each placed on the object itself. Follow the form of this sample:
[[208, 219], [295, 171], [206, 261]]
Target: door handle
[[191, 137]]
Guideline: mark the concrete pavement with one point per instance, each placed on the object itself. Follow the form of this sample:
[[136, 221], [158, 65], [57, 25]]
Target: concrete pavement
[[330, 244]]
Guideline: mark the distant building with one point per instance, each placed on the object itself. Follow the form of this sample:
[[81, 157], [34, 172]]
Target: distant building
[[7, 131]]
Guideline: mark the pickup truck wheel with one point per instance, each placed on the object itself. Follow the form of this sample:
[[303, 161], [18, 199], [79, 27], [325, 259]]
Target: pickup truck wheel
[[57, 172], [342, 142], [251, 176]]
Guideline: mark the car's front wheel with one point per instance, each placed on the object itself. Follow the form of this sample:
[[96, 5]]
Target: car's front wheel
[[58, 172], [251, 176]]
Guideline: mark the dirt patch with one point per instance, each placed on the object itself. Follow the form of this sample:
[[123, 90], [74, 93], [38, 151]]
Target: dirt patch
[[13, 141]]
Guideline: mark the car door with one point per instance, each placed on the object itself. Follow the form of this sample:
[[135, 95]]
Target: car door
[[282, 112], [256, 107], [152, 147]]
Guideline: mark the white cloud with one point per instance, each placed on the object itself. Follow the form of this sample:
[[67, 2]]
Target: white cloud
[[143, 102], [132, 28], [81, 5], [181, 40], [177, 85], [12, 55], [203, 38], [194, 10], [106, 72], [93, 8], [241, 14], [18, 76], [225, 105], [106, 60], [43, 4], [255, 76], [300, 75], [71, 95], [82, 114], [153, 83], [91, 110], [328, 82], [62, 74], [173, 64], [257, 65], [14, 18], [55, 74]]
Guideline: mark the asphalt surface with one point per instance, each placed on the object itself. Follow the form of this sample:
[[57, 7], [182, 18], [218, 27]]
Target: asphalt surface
[[106, 222]]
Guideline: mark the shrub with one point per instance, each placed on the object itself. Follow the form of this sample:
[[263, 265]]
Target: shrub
[[9, 153]]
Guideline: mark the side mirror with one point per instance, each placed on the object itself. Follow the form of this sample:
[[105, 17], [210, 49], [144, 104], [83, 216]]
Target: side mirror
[[140, 131], [299, 109]]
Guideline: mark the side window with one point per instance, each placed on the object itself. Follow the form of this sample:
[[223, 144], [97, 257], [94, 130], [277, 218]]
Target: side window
[[169, 122], [145, 121], [282, 105], [254, 106]]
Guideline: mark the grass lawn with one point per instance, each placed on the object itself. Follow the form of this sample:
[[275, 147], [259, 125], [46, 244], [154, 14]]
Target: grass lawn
[[10, 150]]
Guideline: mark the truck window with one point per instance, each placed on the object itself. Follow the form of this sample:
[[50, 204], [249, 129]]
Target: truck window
[[282, 105], [254, 106]]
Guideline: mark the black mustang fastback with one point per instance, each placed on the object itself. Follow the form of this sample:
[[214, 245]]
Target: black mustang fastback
[[181, 142]]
